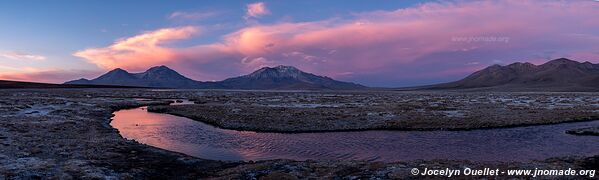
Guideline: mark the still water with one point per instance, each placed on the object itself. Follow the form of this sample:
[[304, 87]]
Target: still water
[[205, 141]]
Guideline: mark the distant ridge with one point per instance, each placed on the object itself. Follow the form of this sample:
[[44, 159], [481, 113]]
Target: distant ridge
[[278, 78], [4, 84], [556, 75]]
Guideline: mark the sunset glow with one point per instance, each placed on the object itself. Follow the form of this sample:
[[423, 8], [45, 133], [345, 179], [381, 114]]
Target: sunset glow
[[389, 45]]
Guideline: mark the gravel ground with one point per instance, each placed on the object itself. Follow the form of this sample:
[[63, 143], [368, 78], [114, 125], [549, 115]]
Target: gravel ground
[[65, 134], [326, 111]]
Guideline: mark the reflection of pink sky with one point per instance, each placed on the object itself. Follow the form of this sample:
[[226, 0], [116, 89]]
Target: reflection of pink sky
[[149, 128], [204, 141], [145, 128], [138, 125]]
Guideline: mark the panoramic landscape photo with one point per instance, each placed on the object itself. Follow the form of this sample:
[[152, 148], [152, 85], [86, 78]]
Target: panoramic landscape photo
[[282, 89]]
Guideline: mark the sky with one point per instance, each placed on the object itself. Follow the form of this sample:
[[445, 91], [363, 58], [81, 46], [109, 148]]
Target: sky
[[375, 43]]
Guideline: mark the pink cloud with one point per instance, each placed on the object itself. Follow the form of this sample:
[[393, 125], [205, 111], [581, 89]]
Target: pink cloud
[[140, 51], [386, 45], [256, 10]]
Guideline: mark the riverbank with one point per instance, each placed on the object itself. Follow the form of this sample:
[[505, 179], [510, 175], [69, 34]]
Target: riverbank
[[65, 134], [590, 131]]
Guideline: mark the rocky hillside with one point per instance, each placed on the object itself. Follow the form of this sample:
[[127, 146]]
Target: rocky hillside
[[556, 75]]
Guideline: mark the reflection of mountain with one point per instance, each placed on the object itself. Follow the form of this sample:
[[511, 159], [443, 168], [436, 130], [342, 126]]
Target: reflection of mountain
[[280, 77], [556, 75]]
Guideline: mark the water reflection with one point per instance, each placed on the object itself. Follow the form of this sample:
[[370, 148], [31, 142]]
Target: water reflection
[[205, 141]]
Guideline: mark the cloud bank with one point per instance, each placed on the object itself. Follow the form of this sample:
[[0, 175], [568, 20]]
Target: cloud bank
[[429, 43], [22, 56]]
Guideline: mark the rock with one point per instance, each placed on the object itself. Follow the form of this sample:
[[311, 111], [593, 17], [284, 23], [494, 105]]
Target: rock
[[23, 154], [35, 150]]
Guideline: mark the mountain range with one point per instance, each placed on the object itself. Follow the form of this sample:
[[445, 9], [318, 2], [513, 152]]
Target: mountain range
[[156, 77], [279, 77], [555, 75]]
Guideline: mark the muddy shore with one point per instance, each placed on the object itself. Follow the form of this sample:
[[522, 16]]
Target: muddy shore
[[65, 134], [590, 131]]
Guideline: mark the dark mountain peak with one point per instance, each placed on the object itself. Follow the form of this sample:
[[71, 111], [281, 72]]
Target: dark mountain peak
[[160, 68], [519, 67], [277, 72], [117, 70], [492, 69], [261, 70], [519, 64], [563, 64], [516, 65], [161, 73], [561, 61], [116, 73], [286, 68], [494, 66], [281, 68], [289, 70]]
